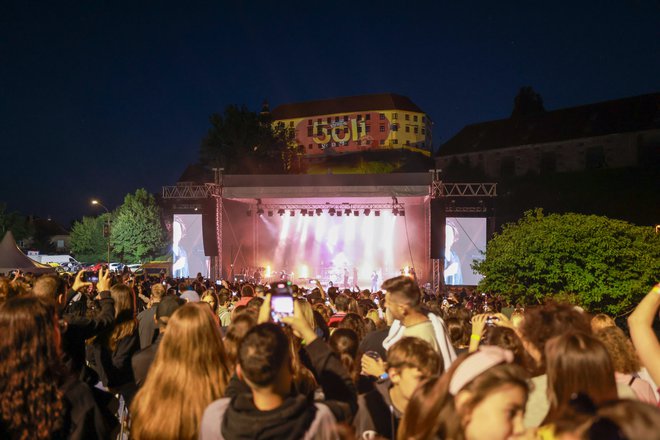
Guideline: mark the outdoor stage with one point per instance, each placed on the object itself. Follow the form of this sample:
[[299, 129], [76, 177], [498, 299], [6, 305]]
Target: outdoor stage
[[346, 229]]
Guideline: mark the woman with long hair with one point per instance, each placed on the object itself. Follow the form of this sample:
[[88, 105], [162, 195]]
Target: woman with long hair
[[37, 398], [626, 362], [577, 363], [344, 342], [114, 348], [188, 373], [481, 396]]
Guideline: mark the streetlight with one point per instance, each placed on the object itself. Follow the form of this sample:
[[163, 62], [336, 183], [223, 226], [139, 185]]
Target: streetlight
[[96, 202]]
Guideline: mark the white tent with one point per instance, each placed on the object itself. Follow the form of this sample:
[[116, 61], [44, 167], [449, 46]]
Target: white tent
[[12, 258]]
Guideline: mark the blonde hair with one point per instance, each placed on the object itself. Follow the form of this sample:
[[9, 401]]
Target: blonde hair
[[601, 321], [307, 312], [188, 373]]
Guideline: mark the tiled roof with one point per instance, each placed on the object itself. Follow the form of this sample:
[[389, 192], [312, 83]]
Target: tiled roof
[[617, 116], [348, 104]]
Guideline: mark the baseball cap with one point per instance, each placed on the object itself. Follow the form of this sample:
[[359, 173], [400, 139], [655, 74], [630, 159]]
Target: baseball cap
[[167, 306]]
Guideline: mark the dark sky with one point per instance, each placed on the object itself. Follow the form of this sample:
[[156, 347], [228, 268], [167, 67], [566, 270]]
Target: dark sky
[[98, 98]]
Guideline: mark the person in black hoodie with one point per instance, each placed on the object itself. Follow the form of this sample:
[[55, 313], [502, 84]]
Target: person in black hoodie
[[273, 409]]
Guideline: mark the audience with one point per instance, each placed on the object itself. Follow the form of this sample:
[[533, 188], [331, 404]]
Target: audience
[[388, 369]]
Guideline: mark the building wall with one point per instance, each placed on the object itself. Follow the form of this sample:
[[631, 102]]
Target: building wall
[[361, 131], [611, 151]]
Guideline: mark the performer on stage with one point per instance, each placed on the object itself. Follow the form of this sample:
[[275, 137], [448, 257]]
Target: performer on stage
[[374, 281], [346, 285]]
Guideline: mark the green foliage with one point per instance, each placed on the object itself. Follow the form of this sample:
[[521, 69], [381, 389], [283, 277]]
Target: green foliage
[[14, 222], [604, 265], [136, 232], [87, 240], [241, 141]]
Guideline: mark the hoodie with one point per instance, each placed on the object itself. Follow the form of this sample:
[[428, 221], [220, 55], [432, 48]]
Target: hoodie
[[298, 417]]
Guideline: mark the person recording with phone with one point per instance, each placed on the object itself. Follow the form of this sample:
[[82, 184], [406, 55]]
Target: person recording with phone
[[272, 407]]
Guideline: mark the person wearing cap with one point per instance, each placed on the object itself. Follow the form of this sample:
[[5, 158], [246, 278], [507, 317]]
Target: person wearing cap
[[143, 359], [481, 396]]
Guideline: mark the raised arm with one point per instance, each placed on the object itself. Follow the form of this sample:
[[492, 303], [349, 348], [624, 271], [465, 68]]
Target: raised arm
[[641, 332]]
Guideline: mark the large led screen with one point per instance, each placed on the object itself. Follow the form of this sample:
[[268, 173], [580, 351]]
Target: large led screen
[[188, 257], [465, 241]]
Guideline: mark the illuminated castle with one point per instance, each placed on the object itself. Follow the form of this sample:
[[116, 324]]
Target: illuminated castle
[[357, 124]]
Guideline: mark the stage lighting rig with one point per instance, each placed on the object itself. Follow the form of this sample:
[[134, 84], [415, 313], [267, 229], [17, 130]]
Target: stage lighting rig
[[292, 213], [339, 213], [319, 211], [332, 211], [303, 211], [260, 212], [280, 212], [377, 213], [356, 213], [347, 211], [270, 213], [367, 211]]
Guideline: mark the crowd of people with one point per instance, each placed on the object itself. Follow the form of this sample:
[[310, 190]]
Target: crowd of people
[[163, 358]]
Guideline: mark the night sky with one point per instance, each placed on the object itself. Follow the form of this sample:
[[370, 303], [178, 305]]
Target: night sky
[[98, 98]]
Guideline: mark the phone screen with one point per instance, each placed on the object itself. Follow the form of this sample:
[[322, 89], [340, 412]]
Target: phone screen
[[280, 307]]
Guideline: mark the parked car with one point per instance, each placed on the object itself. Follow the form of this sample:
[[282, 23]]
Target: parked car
[[134, 267], [116, 267]]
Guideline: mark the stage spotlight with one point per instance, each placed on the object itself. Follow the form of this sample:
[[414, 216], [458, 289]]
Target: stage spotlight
[[367, 211], [356, 213], [347, 211], [270, 213], [319, 211], [331, 211], [249, 213], [377, 213], [395, 211], [292, 213], [303, 212], [260, 212], [280, 212], [402, 213], [339, 213]]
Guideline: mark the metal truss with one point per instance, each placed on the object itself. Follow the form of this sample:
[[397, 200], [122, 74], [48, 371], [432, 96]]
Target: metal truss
[[469, 189], [188, 191], [328, 206]]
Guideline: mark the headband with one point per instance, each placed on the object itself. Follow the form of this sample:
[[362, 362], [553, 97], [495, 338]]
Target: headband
[[485, 358]]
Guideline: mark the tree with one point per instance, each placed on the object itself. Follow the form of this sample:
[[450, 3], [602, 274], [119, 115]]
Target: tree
[[87, 240], [136, 232], [601, 264], [242, 141], [14, 222], [527, 103]]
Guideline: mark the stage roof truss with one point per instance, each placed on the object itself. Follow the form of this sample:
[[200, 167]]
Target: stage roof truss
[[469, 189]]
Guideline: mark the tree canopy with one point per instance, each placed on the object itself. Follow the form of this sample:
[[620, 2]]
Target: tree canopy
[[242, 141], [601, 264], [137, 232], [87, 240]]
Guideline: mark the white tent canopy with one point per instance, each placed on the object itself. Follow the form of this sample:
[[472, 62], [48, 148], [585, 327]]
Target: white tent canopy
[[12, 258]]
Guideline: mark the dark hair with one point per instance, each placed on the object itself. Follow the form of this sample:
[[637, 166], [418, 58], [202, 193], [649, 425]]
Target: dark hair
[[550, 320], [341, 302], [236, 331], [577, 363], [345, 343], [262, 353], [459, 332], [31, 401], [223, 297], [354, 322], [404, 289], [247, 290], [255, 304], [505, 337], [632, 418]]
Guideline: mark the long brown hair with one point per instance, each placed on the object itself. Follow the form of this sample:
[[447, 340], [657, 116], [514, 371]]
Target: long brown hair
[[345, 343], [124, 314], [30, 370], [188, 373], [431, 411], [577, 363]]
